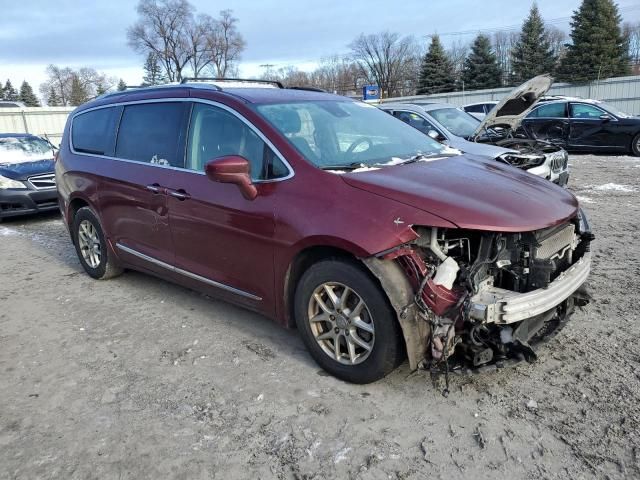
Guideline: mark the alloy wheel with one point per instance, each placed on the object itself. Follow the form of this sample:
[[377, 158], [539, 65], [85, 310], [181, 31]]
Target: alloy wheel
[[341, 323], [89, 244]]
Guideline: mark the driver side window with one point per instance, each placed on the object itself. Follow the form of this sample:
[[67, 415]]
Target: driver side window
[[215, 132]]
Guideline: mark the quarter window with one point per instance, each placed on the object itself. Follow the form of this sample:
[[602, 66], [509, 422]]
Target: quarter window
[[215, 133], [153, 133], [95, 131], [550, 110], [581, 110]]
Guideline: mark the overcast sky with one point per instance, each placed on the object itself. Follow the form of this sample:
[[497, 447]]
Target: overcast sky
[[35, 33]]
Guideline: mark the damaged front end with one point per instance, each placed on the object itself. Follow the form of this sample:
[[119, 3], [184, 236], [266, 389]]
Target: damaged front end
[[469, 299]]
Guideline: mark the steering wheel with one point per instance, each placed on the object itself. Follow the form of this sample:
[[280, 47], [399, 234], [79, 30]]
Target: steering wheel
[[352, 147]]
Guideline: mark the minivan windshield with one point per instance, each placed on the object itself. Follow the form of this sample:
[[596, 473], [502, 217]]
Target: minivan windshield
[[349, 135], [458, 122]]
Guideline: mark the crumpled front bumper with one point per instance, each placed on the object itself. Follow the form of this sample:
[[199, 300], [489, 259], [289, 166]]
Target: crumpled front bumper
[[496, 305]]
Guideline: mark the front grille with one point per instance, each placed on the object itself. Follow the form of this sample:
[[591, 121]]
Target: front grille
[[556, 243], [559, 162], [41, 182]]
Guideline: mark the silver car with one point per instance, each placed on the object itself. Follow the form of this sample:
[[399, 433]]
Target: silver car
[[494, 136]]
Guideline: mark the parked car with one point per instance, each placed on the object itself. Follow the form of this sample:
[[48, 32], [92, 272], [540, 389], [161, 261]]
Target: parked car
[[584, 125], [27, 181], [480, 109], [495, 135], [326, 214], [11, 104]]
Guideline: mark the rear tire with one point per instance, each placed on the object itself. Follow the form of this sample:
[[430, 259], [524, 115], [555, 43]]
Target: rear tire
[[359, 320], [91, 246], [635, 145]]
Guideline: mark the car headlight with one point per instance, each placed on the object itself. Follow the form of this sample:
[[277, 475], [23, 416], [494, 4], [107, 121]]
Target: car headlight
[[522, 160], [583, 222], [10, 183]]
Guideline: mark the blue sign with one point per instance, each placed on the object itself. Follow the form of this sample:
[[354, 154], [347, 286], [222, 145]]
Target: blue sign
[[370, 92]]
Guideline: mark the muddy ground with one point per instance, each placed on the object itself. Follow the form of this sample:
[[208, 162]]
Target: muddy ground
[[138, 378]]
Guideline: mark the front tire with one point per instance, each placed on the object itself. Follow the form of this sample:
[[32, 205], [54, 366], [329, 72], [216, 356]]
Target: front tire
[[91, 246], [635, 145], [346, 322]]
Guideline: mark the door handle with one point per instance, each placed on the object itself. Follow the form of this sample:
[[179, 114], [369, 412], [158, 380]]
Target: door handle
[[154, 187], [179, 194]]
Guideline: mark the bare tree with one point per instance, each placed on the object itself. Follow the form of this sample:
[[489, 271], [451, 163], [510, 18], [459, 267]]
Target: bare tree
[[225, 44], [457, 52], [503, 43], [199, 34], [58, 81], [63, 81], [163, 28], [632, 34], [387, 59], [557, 39]]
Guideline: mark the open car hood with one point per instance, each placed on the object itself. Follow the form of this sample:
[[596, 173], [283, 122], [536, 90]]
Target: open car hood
[[515, 106]]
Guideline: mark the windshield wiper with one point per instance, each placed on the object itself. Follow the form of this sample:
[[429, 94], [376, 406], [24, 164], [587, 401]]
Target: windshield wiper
[[422, 156], [348, 166]]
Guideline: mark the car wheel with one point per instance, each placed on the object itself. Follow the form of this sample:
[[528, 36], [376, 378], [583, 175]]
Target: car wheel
[[635, 145], [91, 246], [347, 323]]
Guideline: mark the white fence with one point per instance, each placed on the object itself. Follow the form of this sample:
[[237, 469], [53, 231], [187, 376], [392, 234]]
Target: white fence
[[42, 121], [621, 92]]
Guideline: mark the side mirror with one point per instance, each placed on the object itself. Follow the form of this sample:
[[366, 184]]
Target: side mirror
[[232, 169], [605, 117]]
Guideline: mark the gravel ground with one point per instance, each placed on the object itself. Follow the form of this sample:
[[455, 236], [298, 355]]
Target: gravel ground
[[138, 378]]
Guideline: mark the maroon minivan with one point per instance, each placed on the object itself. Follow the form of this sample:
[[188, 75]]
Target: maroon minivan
[[327, 214]]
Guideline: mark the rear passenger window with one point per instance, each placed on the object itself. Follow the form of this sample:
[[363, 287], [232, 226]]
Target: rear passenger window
[[153, 133], [549, 110], [95, 131], [214, 133]]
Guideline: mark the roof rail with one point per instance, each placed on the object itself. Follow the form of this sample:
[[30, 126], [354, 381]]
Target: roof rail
[[310, 89], [222, 80]]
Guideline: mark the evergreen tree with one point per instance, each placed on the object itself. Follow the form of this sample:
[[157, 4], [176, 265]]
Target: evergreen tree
[[598, 48], [436, 72], [53, 100], [78, 94], [532, 54], [481, 69], [122, 86], [1, 92], [153, 73], [10, 93], [27, 96]]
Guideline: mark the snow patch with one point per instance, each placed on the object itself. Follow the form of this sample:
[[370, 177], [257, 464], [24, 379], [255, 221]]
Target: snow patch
[[582, 199], [6, 232], [614, 187]]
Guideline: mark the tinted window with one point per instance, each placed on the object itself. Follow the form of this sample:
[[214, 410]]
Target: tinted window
[[474, 108], [153, 133], [550, 110], [581, 110], [214, 133], [95, 131]]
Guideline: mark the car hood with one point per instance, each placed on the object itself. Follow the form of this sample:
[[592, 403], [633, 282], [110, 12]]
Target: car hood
[[514, 107], [472, 192], [23, 170], [476, 148]]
